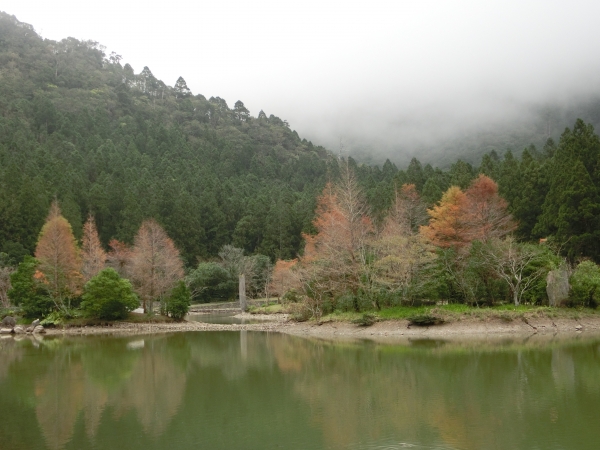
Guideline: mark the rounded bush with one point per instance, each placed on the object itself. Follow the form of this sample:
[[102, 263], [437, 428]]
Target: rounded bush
[[585, 285], [178, 303], [108, 296]]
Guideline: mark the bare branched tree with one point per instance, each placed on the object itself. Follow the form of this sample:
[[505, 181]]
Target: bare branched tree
[[93, 256], [119, 257], [514, 263], [155, 264], [408, 212]]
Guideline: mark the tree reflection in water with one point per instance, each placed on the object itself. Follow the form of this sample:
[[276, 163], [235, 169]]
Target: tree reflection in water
[[226, 390]]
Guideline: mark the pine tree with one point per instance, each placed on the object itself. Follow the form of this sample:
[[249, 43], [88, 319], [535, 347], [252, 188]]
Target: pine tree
[[528, 206], [181, 89], [571, 209]]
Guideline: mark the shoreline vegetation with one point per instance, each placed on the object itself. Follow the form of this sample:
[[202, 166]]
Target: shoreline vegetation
[[456, 322]]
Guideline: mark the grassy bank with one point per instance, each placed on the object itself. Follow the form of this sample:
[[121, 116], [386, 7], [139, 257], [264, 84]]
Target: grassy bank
[[448, 313], [456, 312]]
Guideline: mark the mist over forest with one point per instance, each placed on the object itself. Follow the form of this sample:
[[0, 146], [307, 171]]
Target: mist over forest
[[434, 79], [441, 140]]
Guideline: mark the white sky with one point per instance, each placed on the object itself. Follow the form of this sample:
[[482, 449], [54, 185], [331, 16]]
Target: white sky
[[374, 71]]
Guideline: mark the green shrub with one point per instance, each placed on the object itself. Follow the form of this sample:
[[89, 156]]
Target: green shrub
[[585, 285], [108, 296], [291, 296], [299, 312], [362, 301], [8, 312], [177, 304], [55, 319], [27, 292], [366, 320], [345, 302], [209, 282], [424, 320]]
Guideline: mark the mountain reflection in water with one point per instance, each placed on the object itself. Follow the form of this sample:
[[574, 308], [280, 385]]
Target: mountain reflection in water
[[258, 390]]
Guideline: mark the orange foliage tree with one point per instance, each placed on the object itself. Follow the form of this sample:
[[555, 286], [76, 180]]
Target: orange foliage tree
[[335, 258], [59, 260], [447, 225], [155, 264], [284, 277], [93, 256], [460, 218]]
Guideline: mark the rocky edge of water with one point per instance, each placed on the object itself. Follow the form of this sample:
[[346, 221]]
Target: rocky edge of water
[[9, 326]]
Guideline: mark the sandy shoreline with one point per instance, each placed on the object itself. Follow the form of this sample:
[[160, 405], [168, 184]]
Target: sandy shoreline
[[389, 329]]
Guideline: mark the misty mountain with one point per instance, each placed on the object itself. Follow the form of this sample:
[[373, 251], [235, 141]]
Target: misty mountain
[[440, 141]]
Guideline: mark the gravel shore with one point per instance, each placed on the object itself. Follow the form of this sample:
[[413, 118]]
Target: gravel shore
[[280, 323]]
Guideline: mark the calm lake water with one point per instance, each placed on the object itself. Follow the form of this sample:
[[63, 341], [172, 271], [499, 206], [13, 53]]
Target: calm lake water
[[250, 390], [220, 318]]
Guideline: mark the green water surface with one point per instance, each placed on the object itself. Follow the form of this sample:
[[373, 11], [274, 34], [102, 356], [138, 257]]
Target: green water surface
[[250, 390]]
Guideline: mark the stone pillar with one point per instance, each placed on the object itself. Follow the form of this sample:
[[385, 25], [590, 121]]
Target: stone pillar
[[242, 291]]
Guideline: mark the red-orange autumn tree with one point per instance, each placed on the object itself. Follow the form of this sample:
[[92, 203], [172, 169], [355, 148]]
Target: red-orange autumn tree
[[283, 278], [460, 218], [487, 213], [59, 259], [335, 258], [155, 264], [93, 256]]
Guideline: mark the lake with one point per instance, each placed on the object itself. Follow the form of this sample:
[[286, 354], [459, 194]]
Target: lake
[[253, 390]]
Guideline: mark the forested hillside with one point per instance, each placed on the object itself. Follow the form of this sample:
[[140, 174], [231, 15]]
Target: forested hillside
[[553, 192], [78, 126]]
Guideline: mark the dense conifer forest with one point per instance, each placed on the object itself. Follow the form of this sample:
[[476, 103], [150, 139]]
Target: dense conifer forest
[[78, 126]]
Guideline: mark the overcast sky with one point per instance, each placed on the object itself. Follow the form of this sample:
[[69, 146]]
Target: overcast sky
[[381, 73]]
